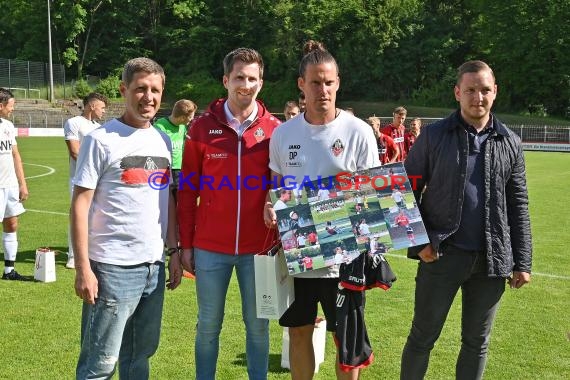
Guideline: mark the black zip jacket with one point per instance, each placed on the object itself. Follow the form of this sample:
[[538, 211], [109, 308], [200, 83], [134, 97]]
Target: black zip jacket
[[438, 159]]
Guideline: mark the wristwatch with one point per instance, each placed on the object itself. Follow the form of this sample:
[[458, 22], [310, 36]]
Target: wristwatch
[[170, 251]]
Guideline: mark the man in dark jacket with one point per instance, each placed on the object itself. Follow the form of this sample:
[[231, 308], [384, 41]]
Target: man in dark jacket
[[473, 199]]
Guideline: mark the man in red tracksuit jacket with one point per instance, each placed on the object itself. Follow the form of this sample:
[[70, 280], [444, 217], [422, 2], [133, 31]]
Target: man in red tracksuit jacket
[[226, 165]]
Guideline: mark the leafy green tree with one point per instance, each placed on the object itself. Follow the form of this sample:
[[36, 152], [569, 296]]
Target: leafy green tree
[[23, 30], [527, 41], [386, 50]]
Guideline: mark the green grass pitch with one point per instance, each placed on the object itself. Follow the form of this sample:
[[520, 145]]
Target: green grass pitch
[[39, 327]]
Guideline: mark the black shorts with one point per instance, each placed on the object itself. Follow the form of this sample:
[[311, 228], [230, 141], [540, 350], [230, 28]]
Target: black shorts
[[308, 293]]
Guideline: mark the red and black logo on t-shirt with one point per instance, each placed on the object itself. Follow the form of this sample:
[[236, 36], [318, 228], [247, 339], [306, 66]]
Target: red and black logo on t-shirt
[[137, 169]]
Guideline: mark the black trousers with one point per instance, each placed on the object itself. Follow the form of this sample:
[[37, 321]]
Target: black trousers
[[437, 284]]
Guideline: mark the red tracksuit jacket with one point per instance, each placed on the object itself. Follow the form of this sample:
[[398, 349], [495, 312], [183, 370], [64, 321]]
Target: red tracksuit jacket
[[230, 176]]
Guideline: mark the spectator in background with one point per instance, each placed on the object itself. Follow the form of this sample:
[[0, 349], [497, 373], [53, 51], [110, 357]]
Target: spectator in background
[[13, 187], [411, 136], [396, 130], [388, 150], [350, 110], [291, 110], [302, 102], [74, 130], [416, 124], [175, 126]]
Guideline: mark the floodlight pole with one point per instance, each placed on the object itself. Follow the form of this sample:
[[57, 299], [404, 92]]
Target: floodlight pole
[[51, 94]]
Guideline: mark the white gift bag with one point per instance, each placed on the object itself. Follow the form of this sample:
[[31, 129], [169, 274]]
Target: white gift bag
[[319, 342], [274, 289], [45, 265]]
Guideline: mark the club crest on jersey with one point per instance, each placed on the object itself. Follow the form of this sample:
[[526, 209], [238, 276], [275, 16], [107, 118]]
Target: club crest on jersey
[[337, 147], [259, 135]]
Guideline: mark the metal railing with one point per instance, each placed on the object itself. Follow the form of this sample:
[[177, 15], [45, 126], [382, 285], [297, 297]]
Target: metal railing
[[542, 133], [47, 118], [29, 80], [56, 118], [527, 132]]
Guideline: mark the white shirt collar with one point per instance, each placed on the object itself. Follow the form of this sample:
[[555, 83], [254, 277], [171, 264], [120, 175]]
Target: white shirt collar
[[235, 123]]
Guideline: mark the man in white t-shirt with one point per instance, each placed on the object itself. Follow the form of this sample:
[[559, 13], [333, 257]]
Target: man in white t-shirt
[[398, 198], [341, 256], [284, 197], [119, 217], [321, 142], [13, 188], [74, 130], [358, 199], [301, 240], [363, 227], [323, 195]]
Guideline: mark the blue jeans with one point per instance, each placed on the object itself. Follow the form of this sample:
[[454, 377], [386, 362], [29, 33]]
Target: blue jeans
[[213, 273], [437, 284], [124, 323]]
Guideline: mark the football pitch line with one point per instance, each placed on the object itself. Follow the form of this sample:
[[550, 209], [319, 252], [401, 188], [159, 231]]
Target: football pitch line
[[556, 276], [49, 172], [48, 212]]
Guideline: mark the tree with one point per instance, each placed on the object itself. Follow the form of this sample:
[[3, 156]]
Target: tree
[[388, 50], [74, 22], [527, 43]]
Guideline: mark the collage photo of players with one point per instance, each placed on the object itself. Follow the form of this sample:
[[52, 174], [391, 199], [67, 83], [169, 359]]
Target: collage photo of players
[[332, 220]]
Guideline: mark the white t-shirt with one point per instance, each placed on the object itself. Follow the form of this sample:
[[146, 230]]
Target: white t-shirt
[[299, 149], [323, 195], [129, 213], [397, 196], [279, 205], [338, 258], [7, 140], [364, 229], [77, 128]]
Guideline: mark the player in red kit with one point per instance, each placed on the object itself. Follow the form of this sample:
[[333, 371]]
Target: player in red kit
[[388, 151], [396, 130], [403, 221]]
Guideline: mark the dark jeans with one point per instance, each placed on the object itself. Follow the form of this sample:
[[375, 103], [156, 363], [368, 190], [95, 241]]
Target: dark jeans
[[437, 284]]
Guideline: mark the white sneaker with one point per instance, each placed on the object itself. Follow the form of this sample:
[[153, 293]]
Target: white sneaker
[[70, 263]]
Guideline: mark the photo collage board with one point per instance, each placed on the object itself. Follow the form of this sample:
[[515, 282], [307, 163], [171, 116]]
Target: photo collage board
[[333, 219]]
